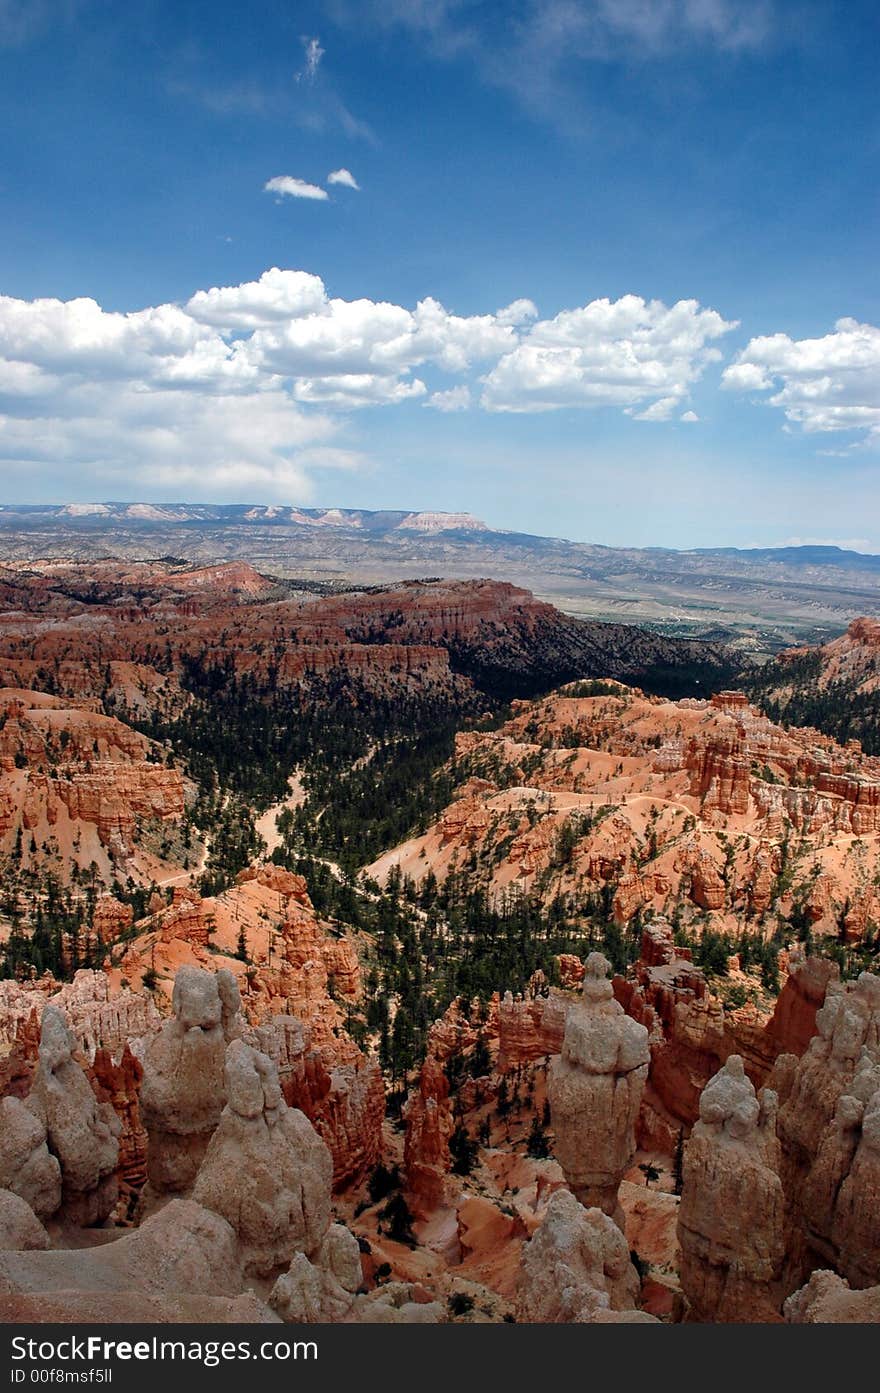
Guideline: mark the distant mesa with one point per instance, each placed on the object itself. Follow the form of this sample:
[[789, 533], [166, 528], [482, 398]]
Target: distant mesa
[[379, 520]]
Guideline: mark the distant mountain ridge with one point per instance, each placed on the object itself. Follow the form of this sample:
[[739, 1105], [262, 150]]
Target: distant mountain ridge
[[802, 556], [268, 514], [761, 599]]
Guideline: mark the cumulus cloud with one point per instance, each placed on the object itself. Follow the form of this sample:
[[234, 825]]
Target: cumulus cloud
[[154, 395], [344, 177], [825, 384], [241, 387], [517, 312], [455, 399], [662, 410], [180, 439], [629, 352], [276, 296], [363, 351], [689, 417], [286, 186]]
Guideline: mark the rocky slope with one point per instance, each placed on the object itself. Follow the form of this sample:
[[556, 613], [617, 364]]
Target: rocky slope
[[424, 635], [703, 810], [835, 687], [500, 1237]]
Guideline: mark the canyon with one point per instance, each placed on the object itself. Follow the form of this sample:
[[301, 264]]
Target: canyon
[[596, 1041]]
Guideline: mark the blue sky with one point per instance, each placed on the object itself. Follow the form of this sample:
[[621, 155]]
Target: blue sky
[[608, 270]]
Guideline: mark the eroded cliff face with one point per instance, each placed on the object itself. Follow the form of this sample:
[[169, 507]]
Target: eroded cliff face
[[731, 1217], [259, 1200], [211, 1052], [81, 779], [828, 1132], [692, 1033], [292, 992], [429, 1112], [414, 637]]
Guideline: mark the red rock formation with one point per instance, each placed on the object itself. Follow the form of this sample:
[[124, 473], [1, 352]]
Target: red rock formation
[[87, 766], [793, 1023], [429, 1125], [531, 1028], [345, 1102], [825, 1099], [731, 1217], [720, 769], [186, 919], [111, 918], [657, 801], [119, 1085], [571, 970], [692, 1034], [762, 880], [428, 1111]]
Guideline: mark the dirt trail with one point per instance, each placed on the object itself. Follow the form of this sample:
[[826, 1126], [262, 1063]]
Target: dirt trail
[[266, 822]]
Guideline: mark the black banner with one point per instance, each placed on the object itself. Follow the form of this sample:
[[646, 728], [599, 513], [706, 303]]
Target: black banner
[[129, 1358]]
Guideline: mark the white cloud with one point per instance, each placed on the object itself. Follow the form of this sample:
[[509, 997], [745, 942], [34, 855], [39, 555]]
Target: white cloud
[[662, 410], [540, 54], [826, 384], [354, 389], [628, 353], [518, 312], [455, 399], [277, 295], [344, 177], [178, 439], [363, 351], [286, 186], [155, 396], [730, 25], [241, 387], [595, 29], [312, 53], [689, 417]]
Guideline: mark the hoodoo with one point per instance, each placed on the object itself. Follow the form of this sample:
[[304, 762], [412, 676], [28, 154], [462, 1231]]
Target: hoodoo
[[595, 1090], [731, 1218], [183, 1090]]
